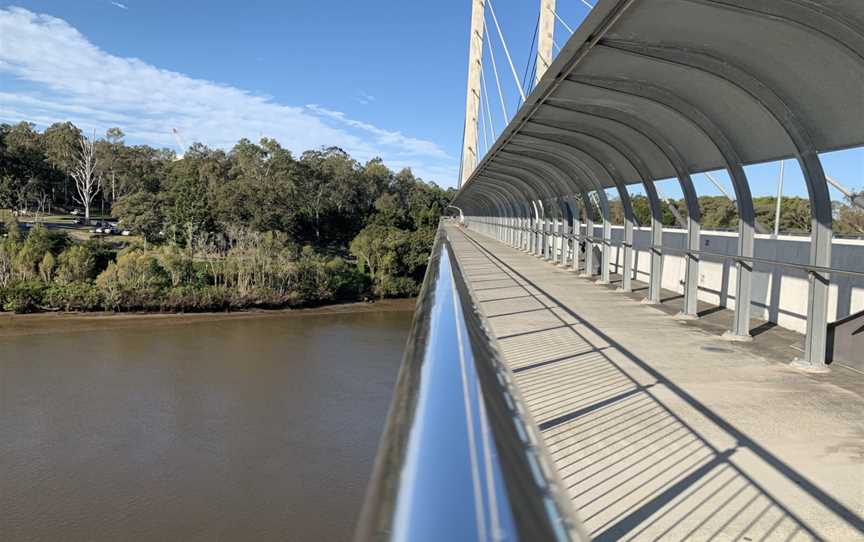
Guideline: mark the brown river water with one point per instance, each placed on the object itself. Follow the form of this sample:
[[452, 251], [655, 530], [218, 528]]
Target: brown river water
[[257, 427]]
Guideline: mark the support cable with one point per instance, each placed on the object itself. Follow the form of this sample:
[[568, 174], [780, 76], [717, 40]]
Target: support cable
[[855, 199], [560, 20], [506, 51], [779, 201], [488, 108], [483, 129], [495, 71], [531, 55]]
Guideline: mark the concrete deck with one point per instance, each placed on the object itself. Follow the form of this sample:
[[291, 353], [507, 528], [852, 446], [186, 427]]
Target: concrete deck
[[660, 429]]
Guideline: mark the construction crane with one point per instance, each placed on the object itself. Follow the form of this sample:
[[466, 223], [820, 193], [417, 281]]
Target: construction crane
[[181, 145]]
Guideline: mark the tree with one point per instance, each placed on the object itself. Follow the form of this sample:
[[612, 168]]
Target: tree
[[142, 214], [849, 218], [84, 173], [61, 148], [110, 152]]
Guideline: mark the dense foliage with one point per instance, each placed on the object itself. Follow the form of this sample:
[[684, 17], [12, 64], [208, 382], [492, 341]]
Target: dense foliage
[[720, 213], [253, 226]]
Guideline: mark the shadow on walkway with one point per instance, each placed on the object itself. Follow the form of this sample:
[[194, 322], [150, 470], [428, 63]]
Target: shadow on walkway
[[623, 436]]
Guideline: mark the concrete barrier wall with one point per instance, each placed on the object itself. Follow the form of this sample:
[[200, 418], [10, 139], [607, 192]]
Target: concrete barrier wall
[[779, 294]]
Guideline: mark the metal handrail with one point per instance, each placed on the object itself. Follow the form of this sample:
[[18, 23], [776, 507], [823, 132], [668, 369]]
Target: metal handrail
[[709, 254], [752, 259], [458, 459]]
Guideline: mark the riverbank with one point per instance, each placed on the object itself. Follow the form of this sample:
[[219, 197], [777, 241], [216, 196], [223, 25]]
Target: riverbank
[[14, 325]]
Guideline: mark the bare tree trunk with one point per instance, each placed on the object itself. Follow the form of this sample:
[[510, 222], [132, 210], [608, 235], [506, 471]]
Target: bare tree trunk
[[84, 173]]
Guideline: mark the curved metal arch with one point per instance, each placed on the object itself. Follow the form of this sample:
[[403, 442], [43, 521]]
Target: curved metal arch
[[732, 160], [636, 162], [511, 209], [601, 195], [483, 206], [516, 165], [802, 14], [671, 154], [610, 172], [614, 143], [562, 170], [556, 164], [563, 184], [530, 194], [512, 196], [746, 214], [538, 189], [805, 153], [764, 96]]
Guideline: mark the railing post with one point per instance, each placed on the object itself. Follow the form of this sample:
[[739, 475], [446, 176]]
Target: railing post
[[589, 248]]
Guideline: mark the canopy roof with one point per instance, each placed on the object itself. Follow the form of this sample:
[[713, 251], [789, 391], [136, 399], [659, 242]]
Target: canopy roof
[[653, 89]]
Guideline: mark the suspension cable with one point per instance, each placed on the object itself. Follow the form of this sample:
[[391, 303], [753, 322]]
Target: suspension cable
[[506, 51], [495, 70], [531, 56], [482, 121], [560, 20], [488, 109]]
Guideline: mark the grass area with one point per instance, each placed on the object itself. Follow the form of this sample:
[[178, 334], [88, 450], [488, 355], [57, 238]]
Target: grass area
[[67, 223]]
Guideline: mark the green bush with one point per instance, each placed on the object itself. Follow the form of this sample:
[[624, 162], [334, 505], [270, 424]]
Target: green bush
[[196, 299], [77, 263], [23, 297], [347, 282], [74, 296], [399, 287]]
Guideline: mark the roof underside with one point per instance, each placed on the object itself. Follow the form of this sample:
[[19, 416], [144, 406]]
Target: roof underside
[[648, 88]]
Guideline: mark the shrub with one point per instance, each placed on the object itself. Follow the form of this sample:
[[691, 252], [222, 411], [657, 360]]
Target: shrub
[[194, 298], [74, 296], [77, 263], [46, 267], [399, 287], [347, 282], [133, 282], [23, 297]]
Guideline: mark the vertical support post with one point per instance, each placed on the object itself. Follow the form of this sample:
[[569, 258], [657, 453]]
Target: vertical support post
[[589, 235], [574, 243], [607, 236], [779, 201], [472, 99], [627, 271], [655, 279], [545, 35]]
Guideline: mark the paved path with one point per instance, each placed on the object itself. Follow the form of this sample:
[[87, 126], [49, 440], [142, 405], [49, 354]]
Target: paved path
[[662, 431]]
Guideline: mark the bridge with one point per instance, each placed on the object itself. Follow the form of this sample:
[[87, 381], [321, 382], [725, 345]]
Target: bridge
[[570, 379]]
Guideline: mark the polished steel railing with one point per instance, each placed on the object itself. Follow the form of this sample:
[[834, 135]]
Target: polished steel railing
[[460, 459]]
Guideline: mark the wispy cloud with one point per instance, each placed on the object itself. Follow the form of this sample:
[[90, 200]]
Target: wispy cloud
[[364, 98], [50, 72], [119, 5]]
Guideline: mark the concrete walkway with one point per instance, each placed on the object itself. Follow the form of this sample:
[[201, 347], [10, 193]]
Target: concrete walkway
[[662, 431]]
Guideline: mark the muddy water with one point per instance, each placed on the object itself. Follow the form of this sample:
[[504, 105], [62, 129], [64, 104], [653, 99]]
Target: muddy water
[[254, 428]]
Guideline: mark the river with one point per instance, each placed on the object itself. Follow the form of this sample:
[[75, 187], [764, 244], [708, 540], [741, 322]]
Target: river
[[259, 427]]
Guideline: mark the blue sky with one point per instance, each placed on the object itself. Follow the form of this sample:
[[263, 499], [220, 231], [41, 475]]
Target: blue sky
[[375, 77]]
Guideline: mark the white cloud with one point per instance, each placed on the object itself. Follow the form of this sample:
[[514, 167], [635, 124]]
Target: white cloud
[[119, 5], [55, 74]]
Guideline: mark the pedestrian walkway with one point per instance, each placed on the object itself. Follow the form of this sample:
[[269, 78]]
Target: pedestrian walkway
[[661, 430]]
